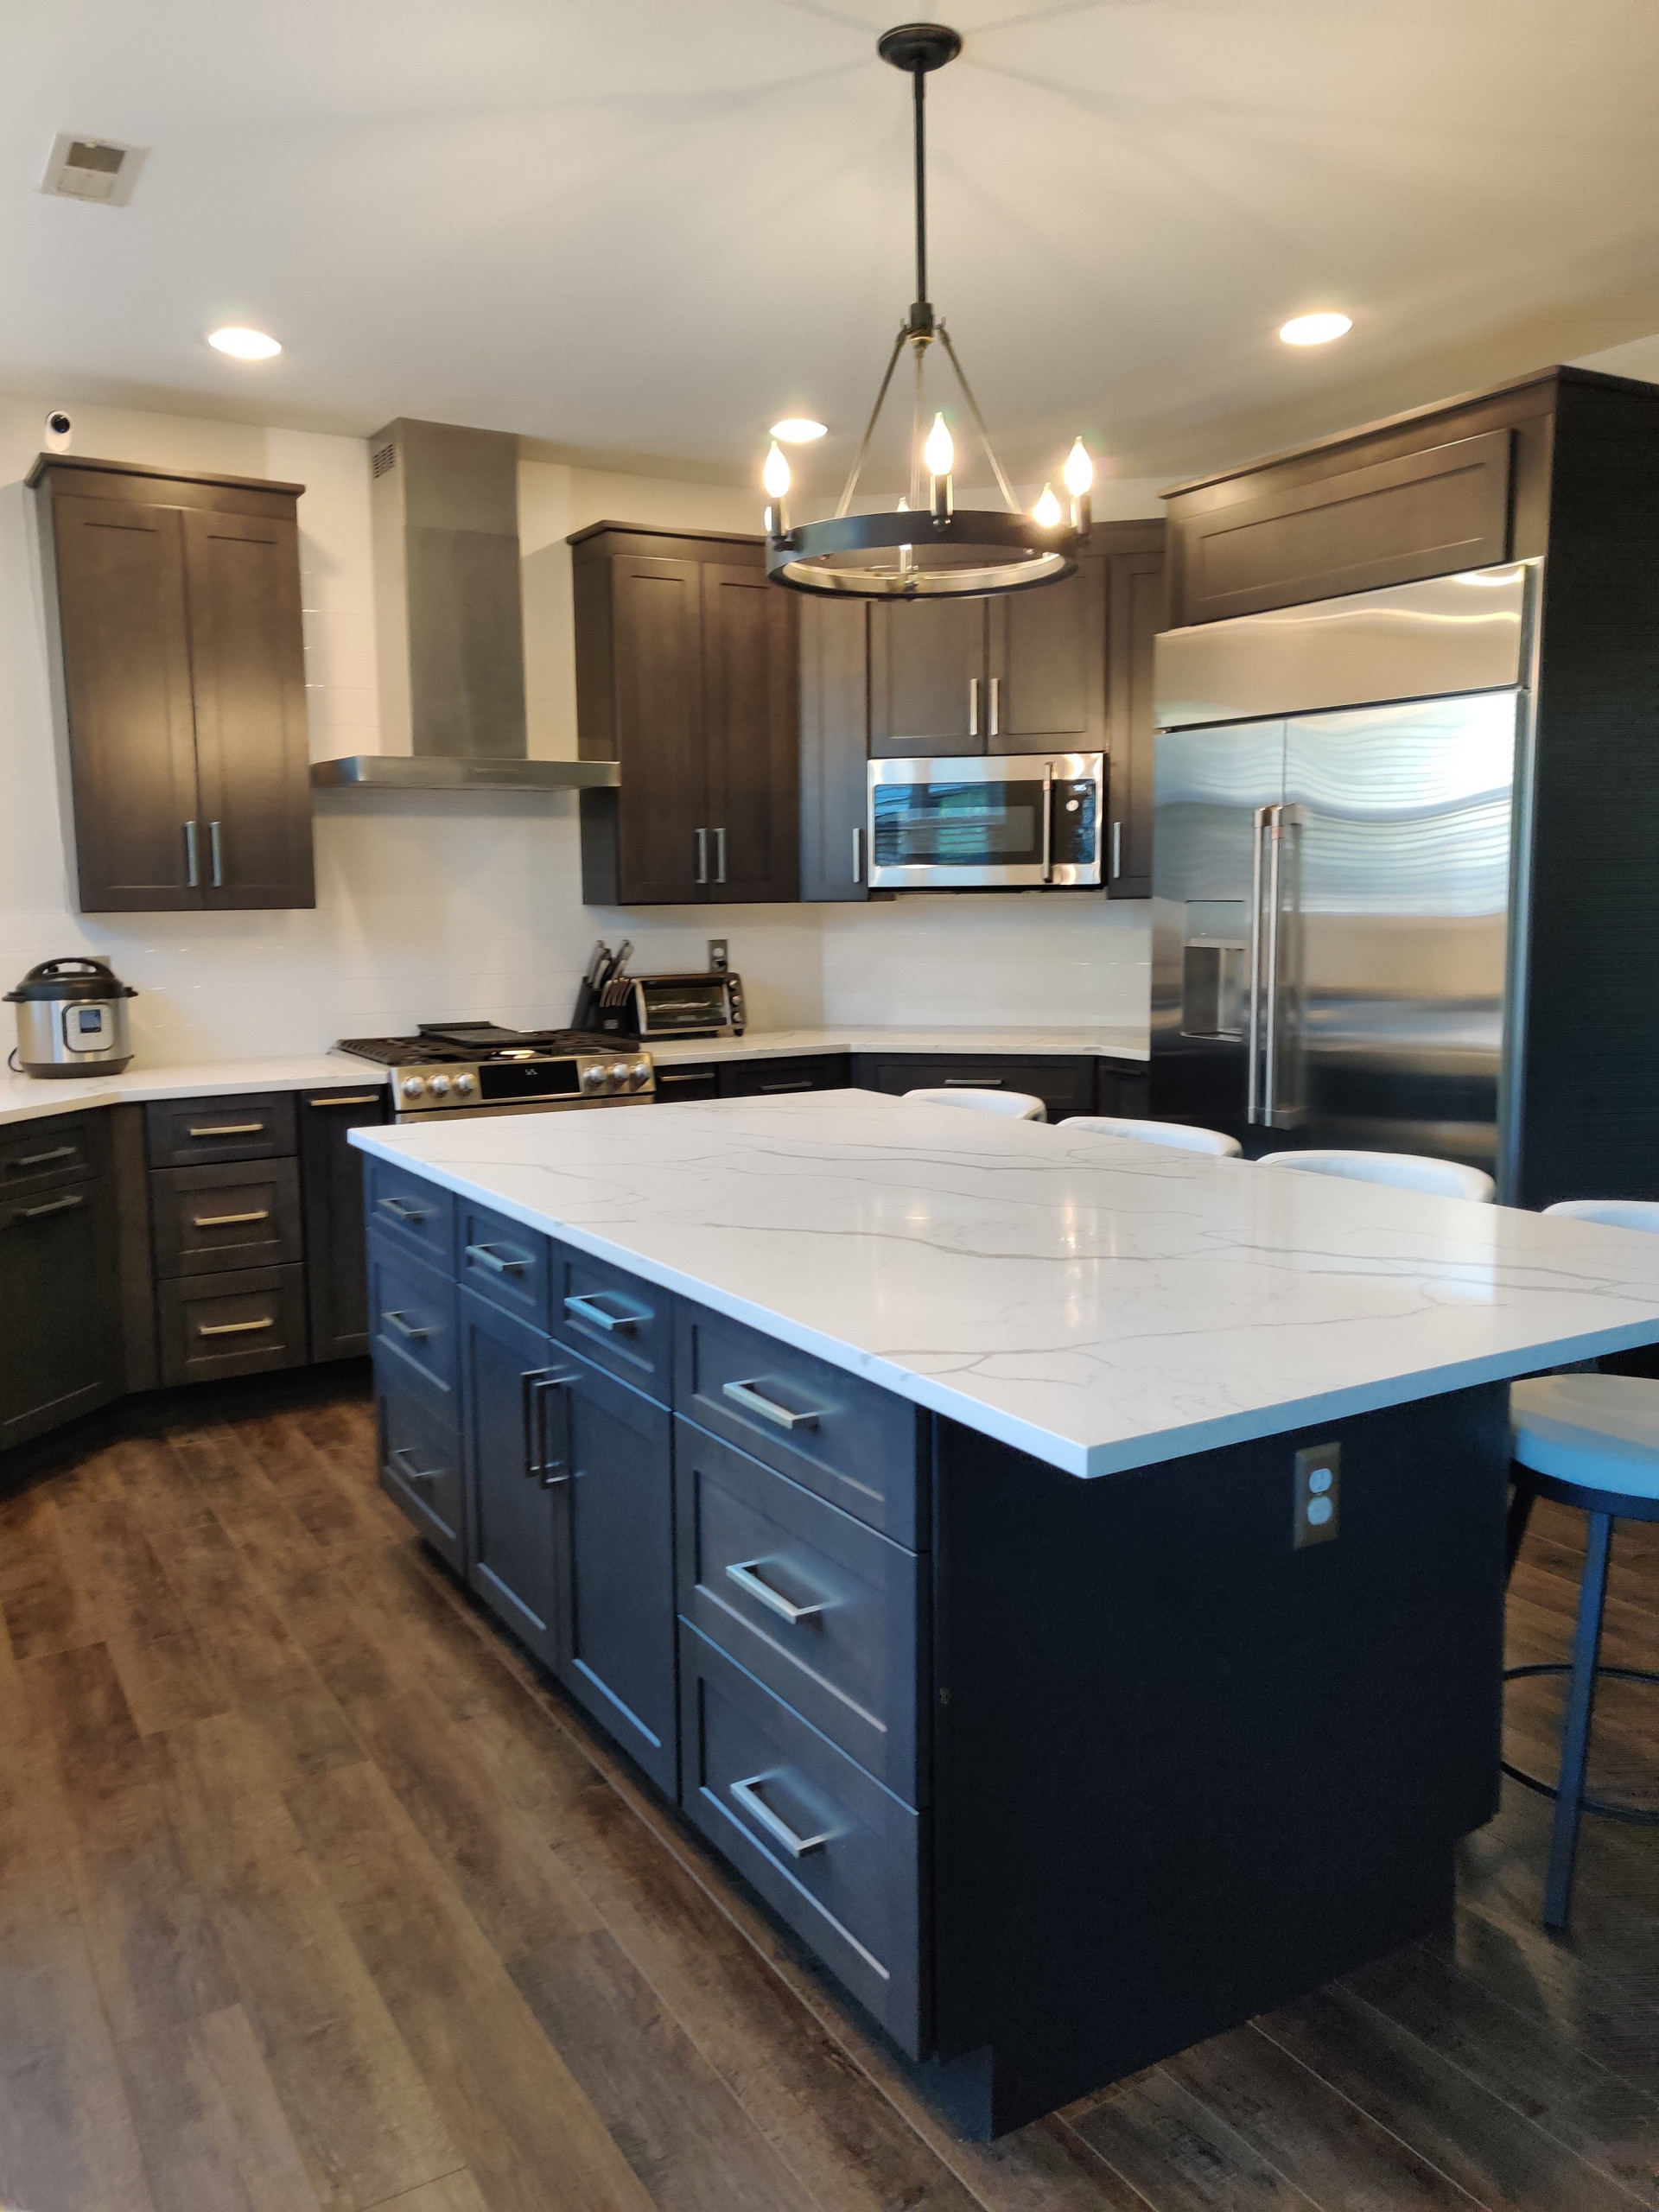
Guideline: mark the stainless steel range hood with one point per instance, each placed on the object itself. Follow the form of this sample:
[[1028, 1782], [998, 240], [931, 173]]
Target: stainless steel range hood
[[449, 623]]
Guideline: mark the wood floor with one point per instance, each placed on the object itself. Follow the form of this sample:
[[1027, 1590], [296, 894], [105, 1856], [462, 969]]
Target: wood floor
[[313, 1895]]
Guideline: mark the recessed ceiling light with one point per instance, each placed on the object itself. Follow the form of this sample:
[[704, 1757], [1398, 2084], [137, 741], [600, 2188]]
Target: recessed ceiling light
[[797, 430], [244, 345], [1314, 329]]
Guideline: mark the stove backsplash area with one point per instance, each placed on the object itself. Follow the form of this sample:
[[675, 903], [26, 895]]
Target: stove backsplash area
[[427, 908]]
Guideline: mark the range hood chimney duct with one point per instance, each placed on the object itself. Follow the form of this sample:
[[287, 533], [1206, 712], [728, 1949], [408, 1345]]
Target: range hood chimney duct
[[449, 620]]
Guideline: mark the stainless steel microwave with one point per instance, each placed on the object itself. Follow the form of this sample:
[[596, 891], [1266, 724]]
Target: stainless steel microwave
[[1017, 820]]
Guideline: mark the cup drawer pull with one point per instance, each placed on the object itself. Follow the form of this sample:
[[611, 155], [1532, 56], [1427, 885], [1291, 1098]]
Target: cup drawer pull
[[403, 1461], [581, 1306], [233, 1328], [746, 1395], [415, 1333], [748, 1794], [227, 1220], [488, 1257], [231, 1129], [742, 1572]]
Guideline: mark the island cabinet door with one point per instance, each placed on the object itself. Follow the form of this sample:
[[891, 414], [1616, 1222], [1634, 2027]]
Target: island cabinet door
[[605, 1450], [508, 1372]]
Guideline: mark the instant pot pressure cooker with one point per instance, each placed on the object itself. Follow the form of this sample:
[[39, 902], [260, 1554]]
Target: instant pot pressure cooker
[[72, 1020]]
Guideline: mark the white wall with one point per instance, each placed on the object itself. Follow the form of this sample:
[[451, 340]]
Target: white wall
[[432, 905]]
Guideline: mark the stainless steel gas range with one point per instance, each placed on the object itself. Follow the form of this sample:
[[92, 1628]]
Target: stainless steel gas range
[[473, 1068]]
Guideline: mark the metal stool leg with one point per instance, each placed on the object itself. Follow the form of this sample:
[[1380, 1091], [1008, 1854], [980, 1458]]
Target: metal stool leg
[[1520, 1502], [1575, 1726]]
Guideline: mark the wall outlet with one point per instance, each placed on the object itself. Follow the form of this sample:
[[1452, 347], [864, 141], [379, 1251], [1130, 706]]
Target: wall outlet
[[720, 958], [1319, 1495]]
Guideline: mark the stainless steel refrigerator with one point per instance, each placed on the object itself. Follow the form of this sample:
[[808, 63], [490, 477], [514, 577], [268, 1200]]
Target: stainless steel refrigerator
[[1340, 886]]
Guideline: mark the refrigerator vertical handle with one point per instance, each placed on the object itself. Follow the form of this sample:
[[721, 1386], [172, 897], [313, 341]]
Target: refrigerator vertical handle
[[1276, 838], [1252, 1050]]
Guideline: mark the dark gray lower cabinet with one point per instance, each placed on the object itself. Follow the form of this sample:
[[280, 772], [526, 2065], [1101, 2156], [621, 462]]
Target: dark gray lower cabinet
[[61, 1352], [331, 1180], [506, 1370]]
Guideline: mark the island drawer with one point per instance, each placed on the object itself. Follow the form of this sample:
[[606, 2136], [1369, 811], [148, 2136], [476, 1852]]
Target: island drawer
[[812, 1603], [208, 1219], [836, 1856], [192, 1132], [620, 1322], [244, 1323], [420, 1462], [412, 1322], [830, 1432], [410, 1212], [49, 1151], [504, 1261]]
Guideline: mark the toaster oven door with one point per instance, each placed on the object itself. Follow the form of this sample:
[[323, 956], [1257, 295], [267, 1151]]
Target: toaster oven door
[[1018, 821]]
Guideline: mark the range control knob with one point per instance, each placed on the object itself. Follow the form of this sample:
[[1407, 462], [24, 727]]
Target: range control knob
[[617, 1074], [593, 1078], [413, 1087], [440, 1086], [466, 1084], [640, 1074]]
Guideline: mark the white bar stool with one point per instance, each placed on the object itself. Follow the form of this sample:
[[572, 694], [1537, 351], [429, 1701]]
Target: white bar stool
[[1179, 1137], [1014, 1105], [1400, 1171]]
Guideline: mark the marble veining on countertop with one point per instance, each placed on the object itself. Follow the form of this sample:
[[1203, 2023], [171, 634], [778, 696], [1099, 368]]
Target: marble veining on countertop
[[26, 1097], [1125, 1043], [1098, 1303]]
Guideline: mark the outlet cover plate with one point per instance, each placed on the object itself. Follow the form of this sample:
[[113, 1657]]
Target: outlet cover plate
[[1319, 1496]]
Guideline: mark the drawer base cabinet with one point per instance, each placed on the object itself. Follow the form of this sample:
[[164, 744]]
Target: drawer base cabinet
[[1056, 1777], [61, 1351]]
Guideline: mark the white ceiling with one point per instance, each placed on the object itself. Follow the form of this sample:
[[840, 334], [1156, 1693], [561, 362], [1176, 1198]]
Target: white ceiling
[[644, 227]]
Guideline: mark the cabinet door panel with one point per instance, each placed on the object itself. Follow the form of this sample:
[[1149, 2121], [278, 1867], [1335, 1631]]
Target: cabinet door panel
[[657, 613], [928, 692], [126, 662], [331, 1175], [60, 1330], [749, 723], [512, 1548], [1137, 615], [248, 663], [616, 1511], [835, 748], [1048, 666], [420, 1464]]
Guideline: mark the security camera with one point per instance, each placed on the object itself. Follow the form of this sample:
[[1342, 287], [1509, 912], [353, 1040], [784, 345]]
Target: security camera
[[58, 431]]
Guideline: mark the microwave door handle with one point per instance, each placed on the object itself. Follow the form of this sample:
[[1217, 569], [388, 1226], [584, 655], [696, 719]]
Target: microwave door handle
[[1253, 1049], [1048, 822]]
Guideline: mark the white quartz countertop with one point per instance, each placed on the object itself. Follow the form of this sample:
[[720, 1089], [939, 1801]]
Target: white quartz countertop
[[1121, 1044], [26, 1097], [1100, 1304]]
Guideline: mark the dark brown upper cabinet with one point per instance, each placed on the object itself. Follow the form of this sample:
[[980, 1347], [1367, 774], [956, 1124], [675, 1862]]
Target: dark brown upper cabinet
[[686, 676], [176, 600]]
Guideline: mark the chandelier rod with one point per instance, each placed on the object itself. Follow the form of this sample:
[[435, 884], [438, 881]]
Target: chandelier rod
[[979, 423], [851, 485]]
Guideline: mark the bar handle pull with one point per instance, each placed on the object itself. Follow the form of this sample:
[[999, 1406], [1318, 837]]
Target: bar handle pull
[[1048, 822], [1253, 1048], [972, 1082], [1117, 850], [720, 853], [216, 856], [352, 1098], [701, 836], [750, 1399], [192, 863], [43, 1159], [748, 1794], [488, 1257], [539, 1384], [1275, 840], [400, 1210], [996, 706], [233, 1328], [414, 1333], [858, 854], [742, 1573], [581, 1306], [227, 1220], [55, 1205], [229, 1130], [973, 706], [403, 1461]]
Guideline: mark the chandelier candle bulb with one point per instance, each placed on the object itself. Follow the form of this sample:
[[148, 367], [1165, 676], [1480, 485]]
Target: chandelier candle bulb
[[1079, 482], [1047, 509], [774, 476]]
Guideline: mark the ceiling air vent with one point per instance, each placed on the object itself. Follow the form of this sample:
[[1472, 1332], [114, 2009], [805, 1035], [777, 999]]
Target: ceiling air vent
[[93, 168], [385, 459]]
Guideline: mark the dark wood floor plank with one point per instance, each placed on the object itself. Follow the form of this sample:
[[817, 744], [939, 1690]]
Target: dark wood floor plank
[[456, 2192], [323, 1485], [1181, 2155], [43, 1609], [209, 2122], [364, 2122], [1608, 2015], [1501, 2159], [523, 2128]]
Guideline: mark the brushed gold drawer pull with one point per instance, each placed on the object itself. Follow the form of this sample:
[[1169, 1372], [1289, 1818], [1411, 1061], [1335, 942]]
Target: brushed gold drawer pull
[[43, 1159], [357, 1098], [231, 1129], [227, 1220], [233, 1328]]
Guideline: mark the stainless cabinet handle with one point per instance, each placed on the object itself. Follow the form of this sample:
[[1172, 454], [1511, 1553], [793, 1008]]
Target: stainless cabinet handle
[[355, 1099], [701, 836], [414, 1332], [786, 1086], [858, 854], [748, 1794], [1117, 850], [973, 706], [742, 1573], [233, 1328], [696, 1075], [1253, 1063], [57, 1206], [996, 706], [538, 1385], [216, 856], [972, 1082], [192, 868], [1048, 822], [229, 1130], [41, 1158], [401, 1210], [227, 1220], [720, 855], [582, 1308], [487, 1257], [746, 1395], [403, 1460]]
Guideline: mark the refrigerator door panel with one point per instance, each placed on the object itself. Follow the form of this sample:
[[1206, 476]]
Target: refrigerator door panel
[[1395, 915], [1214, 791]]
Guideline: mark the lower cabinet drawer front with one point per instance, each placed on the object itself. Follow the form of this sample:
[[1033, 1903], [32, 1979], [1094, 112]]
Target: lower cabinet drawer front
[[1066, 1086], [619, 1321], [503, 1261], [693, 1084], [775, 1078], [412, 1319], [51, 1150], [194, 1132], [237, 1324], [831, 1432], [818, 1607], [207, 1220], [835, 1855], [411, 1212], [420, 1461]]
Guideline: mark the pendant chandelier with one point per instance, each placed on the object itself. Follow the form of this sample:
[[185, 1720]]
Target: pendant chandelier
[[929, 548]]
